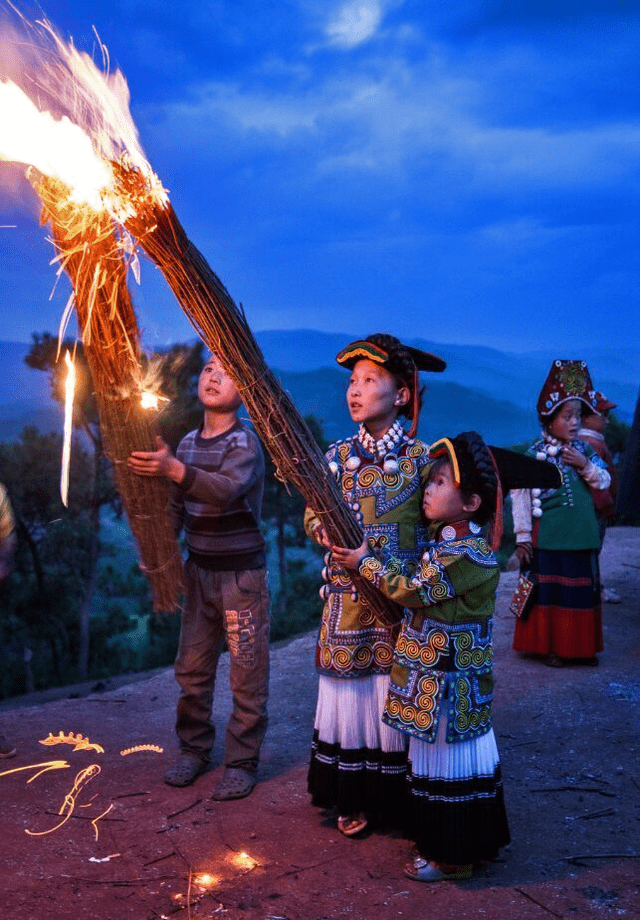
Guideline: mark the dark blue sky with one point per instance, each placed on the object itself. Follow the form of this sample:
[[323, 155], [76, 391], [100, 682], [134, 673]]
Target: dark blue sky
[[464, 172]]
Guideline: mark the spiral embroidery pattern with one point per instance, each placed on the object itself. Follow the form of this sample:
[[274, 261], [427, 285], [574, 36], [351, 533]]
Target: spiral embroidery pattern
[[425, 650], [470, 718], [370, 568], [435, 585], [472, 651], [383, 654]]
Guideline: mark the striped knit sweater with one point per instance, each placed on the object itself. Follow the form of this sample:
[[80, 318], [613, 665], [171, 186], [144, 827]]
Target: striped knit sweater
[[219, 501]]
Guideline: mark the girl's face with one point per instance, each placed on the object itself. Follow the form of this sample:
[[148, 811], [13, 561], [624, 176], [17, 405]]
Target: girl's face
[[442, 499], [566, 422], [373, 397]]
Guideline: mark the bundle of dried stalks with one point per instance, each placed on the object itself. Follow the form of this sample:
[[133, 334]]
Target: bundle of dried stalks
[[89, 252], [223, 327]]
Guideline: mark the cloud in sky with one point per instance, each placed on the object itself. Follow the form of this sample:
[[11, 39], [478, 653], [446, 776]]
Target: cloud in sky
[[354, 23]]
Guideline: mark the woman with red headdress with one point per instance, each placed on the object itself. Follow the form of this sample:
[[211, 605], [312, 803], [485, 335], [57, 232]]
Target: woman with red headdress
[[557, 533], [358, 765]]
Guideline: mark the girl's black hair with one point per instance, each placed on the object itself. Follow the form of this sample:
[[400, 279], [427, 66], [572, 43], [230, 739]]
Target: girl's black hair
[[477, 473]]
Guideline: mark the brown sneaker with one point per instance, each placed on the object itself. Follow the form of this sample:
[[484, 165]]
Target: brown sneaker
[[6, 749]]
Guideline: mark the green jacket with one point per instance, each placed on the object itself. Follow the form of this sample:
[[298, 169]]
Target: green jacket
[[442, 663]]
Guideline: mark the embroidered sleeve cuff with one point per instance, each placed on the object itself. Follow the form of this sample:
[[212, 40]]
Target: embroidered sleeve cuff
[[433, 582]]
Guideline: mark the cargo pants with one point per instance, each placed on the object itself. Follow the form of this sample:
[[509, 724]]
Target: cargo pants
[[234, 606]]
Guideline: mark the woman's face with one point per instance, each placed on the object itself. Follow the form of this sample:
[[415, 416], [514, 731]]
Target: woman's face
[[566, 422], [373, 397]]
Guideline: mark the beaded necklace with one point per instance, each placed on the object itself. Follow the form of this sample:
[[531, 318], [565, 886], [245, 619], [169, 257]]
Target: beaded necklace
[[383, 448], [550, 449]]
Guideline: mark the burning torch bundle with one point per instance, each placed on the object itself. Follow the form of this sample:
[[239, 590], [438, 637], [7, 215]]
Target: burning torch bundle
[[89, 251]]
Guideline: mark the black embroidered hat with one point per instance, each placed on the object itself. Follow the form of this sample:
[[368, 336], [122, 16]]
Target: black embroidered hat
[[403, 361], [383, 349]]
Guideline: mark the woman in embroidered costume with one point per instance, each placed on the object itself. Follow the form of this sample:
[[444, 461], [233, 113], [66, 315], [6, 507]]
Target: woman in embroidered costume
[[357, 764], [441, 686], [557, 531]]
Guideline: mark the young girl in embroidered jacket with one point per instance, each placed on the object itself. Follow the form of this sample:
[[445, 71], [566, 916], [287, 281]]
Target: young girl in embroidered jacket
[[358, 765], [557, 531], [441, 685]]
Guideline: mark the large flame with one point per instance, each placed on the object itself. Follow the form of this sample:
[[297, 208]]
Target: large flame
[[58, 149], [64, 116]]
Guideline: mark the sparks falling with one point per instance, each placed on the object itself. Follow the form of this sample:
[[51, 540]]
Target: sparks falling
[[69, 392]]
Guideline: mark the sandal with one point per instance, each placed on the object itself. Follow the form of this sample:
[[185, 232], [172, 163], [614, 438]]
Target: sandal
[[236, 784], [350, 825], [422, 870], [185, 770]]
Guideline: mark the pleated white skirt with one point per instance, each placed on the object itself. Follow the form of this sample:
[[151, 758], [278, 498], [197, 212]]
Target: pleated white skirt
[[349, 713]]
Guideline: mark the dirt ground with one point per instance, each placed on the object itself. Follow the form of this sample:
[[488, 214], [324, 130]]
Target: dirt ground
[[104, 837]]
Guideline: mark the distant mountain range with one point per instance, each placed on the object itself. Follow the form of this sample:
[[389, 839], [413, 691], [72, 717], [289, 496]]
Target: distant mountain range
[[482, 388]]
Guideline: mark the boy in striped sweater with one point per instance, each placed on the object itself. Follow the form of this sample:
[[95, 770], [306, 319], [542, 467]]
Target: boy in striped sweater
[[218, 481]]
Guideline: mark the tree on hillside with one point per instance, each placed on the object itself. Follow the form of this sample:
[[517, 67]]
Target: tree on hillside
[[53, 564]]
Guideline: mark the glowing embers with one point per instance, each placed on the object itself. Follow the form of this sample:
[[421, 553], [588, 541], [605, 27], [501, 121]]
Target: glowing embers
[[79, 743], [204, 880], [71, 800], [139, 748], [202, 883], [39, 767], [243, 861]]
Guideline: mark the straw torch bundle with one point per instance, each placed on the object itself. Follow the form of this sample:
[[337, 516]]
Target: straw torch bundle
[[88, 250]]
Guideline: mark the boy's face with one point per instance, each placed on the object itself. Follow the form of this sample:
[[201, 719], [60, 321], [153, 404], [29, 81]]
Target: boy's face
[[216, 390], [442, 500]]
